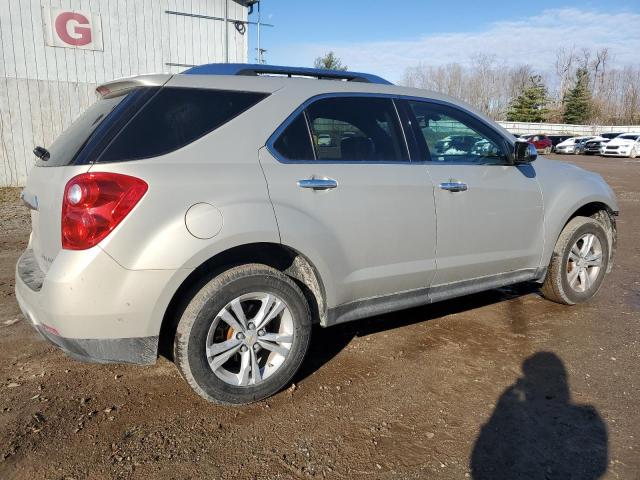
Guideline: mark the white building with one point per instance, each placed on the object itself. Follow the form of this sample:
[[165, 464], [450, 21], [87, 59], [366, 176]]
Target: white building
[[53, 53]]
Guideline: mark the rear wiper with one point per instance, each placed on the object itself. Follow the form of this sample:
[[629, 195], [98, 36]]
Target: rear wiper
[[42, 153]]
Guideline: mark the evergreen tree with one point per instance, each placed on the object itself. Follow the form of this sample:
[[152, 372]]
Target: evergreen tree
[[329, 62], [578, 104], [531, 104]]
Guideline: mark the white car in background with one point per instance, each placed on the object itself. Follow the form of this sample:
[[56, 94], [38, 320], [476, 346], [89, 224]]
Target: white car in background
[[625, 145], [571, 145], [568, 146]]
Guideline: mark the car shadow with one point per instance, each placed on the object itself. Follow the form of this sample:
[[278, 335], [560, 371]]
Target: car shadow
[[328, 342], [527, 170], [536, 432]]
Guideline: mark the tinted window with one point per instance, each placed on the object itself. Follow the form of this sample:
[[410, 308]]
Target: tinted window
[[174, 118], [451, 135], [356, 129], [294, 143], [64, 149]]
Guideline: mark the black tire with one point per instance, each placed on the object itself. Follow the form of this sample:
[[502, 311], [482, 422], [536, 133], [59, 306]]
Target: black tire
[[194, 324], [556, 284]]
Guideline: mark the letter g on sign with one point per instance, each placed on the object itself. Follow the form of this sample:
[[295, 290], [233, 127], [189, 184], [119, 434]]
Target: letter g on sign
[[69, 27]]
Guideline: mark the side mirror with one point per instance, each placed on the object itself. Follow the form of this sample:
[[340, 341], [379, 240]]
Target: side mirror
[[524, 152]]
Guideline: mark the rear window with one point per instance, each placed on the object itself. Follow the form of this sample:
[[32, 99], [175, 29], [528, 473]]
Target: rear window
[[175, 117], [64, 149]]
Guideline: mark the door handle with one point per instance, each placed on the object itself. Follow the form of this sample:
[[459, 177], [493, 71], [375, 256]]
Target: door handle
[[454, 186], [323, 183]]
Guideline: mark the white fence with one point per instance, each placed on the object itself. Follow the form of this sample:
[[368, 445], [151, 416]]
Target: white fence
[[521, 128]]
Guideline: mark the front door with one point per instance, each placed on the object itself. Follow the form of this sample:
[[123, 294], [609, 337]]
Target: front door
[[489, 212], [346, 195]]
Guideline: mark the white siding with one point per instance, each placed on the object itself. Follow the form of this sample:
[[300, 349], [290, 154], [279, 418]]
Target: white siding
[[43, 88]]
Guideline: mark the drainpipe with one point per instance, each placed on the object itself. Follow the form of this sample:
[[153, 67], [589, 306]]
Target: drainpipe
[[226, 31]]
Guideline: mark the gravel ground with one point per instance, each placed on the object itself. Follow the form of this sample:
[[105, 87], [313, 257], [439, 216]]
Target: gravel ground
[[497, 385]]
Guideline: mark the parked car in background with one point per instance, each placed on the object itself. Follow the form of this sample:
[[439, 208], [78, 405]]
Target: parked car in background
[[556, 139], [324, 139], [581, 144], [199, 216], [542, 143], [571, 145], [597, 144], [625, 145]]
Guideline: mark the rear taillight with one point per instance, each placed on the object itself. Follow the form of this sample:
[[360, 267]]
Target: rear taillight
[[94, 204]]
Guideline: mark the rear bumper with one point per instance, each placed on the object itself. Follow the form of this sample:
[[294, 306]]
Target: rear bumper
[[141, 351], [91, 307]]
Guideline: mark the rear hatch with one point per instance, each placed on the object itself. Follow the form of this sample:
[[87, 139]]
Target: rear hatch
[[72, 154]]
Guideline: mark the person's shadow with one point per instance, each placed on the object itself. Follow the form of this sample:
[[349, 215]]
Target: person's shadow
[[535, 432]]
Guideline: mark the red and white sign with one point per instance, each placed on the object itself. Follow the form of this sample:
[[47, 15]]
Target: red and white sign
[[72, 28]]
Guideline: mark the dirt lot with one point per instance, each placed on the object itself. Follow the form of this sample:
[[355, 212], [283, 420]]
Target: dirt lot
[[400, 396]]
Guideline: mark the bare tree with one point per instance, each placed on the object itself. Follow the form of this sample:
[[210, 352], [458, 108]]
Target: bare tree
[[490, 85], [565, 65]]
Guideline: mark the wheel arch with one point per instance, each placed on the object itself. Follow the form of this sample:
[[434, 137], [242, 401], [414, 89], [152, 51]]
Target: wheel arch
[[281, 257], [600, 210]]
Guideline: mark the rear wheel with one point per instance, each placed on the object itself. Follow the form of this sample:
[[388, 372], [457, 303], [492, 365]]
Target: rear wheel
[[243, 335], [579, 262]]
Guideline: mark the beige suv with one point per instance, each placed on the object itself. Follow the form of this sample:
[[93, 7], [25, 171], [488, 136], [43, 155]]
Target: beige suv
[[214, 216]]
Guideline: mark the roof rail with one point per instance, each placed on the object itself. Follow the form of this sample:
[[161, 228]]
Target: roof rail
[[259, 69]]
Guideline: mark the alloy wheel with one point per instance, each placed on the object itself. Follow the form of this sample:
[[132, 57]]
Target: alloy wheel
[[250, 339], [584, 262]]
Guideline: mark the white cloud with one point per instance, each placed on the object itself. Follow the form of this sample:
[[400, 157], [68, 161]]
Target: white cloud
[[533, 40]]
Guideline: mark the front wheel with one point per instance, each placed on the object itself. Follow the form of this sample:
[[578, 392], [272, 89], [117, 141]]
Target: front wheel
[[579, 262], [244, 335]]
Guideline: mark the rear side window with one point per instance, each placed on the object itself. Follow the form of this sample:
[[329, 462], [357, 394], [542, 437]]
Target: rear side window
[[175, 117], [356, 129], [294, 143], [345, 129]]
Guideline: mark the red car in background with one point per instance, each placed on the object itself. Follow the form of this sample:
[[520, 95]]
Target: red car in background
[[542, 143]]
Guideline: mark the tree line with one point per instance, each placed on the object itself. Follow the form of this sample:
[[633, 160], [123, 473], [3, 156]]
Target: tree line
[[581, 87]]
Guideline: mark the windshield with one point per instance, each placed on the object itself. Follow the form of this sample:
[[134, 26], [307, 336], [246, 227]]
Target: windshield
[[64, 148]]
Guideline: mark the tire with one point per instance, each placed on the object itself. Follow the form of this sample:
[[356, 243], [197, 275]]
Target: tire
[[203, 321], [558, 286]]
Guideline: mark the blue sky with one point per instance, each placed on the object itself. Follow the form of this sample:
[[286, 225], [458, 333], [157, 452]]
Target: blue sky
[[385, 37]]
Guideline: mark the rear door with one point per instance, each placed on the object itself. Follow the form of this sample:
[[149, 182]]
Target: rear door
[[346, 195], [489, 212]]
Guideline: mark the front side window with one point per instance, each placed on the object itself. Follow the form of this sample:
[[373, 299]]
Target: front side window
[[451, 135]]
